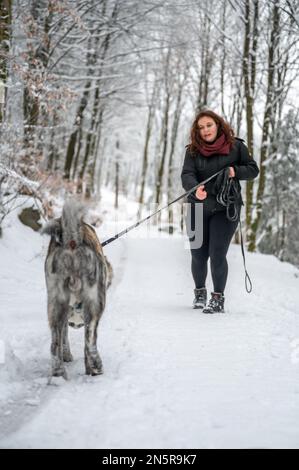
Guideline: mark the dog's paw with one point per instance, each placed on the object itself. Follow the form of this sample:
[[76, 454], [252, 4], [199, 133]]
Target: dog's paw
[[61, 372], [56, 381], [67, 356], [93, 366], [58, 369], [94, 371]]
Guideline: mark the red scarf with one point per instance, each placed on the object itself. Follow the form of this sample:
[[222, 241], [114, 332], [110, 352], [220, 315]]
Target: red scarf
[[220, 147]]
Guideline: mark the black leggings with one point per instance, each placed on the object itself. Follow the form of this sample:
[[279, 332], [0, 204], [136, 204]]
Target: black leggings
[[217, 234]]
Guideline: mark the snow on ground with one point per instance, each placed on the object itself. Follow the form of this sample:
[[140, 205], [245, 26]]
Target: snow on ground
[[173, 377]]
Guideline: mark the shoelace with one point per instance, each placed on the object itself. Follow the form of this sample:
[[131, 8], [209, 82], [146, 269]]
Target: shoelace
[[214, 303]]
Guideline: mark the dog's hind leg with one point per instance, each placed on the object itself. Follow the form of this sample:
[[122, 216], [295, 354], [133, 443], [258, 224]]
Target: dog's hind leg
[[93, 362], [57, 319], [67, 355]]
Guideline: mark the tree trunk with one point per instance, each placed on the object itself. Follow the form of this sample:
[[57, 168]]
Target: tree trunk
[[76, 135], [206, 64], [249, 73], [5, 34], [274, 38], [96, 138], [164, 131], [164, 149], [174, 133], [148, 132], [35, 59], [97, 115], [223, 60], [116, 176]]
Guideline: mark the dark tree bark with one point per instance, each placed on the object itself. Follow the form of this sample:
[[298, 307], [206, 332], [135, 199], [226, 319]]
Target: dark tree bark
[[249, 73], [5, 34], [270, 97], [97, 111], [174, 134], [206, 64], [148, 133], [75, 137]]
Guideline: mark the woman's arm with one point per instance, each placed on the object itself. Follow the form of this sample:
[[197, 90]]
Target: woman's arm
[[248, 169], [188, 175]]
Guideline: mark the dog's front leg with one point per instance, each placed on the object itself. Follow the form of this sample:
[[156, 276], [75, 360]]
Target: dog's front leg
[[57, 319], [67, 355], [93, 362]]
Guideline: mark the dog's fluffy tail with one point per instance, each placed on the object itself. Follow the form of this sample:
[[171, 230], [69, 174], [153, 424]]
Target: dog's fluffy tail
[[71, 221]]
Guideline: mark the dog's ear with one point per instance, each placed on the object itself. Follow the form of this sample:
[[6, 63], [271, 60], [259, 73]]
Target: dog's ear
[[52, 228]]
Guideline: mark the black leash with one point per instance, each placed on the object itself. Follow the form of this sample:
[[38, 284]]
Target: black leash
[[118, 235], [229, 195], [247, 278]]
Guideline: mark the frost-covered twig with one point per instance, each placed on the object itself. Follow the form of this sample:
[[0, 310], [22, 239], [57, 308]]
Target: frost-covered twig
[[8, 173]]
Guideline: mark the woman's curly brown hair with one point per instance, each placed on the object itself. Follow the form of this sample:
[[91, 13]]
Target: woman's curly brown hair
[[223, 127]]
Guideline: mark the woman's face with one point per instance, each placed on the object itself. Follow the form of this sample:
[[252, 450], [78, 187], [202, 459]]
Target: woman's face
[[207, 128]]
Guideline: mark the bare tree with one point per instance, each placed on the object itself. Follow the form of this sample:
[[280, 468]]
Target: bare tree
[[249, 74], [5, 33], [268, 116]]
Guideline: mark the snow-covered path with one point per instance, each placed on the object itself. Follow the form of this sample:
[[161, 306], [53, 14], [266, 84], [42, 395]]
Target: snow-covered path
[[173, 377]]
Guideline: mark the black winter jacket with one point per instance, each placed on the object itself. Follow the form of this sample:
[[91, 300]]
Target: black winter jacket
[[198, 168]]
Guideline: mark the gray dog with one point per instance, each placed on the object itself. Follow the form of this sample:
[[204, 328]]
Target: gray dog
[[77, 276]]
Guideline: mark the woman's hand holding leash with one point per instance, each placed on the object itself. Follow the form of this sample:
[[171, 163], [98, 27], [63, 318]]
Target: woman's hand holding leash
[[201, 194]]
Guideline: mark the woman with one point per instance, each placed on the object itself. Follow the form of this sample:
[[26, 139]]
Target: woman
[[212, 148]]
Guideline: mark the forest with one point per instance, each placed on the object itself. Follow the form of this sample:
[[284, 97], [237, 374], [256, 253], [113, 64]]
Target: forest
[[101, 94]]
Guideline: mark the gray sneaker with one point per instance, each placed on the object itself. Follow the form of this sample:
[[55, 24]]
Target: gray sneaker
[[200, 298]]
